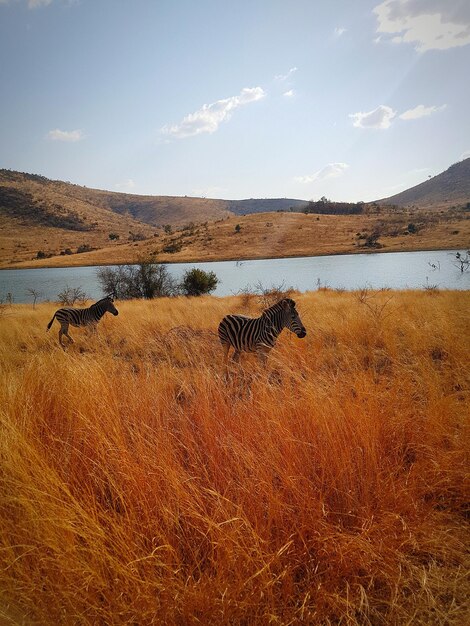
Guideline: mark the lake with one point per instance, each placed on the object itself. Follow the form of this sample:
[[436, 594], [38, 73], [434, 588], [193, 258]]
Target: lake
[[396, 270]]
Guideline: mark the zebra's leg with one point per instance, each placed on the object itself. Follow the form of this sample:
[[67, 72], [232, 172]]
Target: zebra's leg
[[65, 330], [91, 329], [226, 349], [262, 354]]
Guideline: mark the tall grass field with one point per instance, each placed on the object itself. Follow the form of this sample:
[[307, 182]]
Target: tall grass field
[[140, 486]]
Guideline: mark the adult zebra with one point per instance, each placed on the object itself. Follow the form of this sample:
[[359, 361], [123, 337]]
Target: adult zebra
[[259, 334], [82, 317]]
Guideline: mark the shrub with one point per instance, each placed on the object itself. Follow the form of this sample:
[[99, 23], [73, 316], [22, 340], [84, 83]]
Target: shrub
[[84, 248], [172, 247], [136, 236], [147, 279], [197, 282]]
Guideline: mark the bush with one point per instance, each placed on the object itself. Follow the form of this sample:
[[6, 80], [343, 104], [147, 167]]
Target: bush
[[84, 248], [113, 236], [197, 282], [136, 236], [147, 279], [70, 295], [174, 246]]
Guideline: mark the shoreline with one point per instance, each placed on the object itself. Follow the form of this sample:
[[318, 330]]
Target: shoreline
[[381, 250]]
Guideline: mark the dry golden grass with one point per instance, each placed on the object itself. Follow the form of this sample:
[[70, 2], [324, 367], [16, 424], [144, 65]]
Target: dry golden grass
[[137, 487], [271, 235]]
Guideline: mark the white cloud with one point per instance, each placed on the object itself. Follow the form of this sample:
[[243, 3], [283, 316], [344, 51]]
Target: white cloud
[[380, 118], [427, 24], [339, 31], [286, 76], [465, 155], [126, 185], [332, 170], [289, 94], [208, 118], [209, 192], [420, 111], [65, 135]]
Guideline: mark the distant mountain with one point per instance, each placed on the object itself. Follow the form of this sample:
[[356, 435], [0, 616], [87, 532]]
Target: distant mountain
[[451, 187]]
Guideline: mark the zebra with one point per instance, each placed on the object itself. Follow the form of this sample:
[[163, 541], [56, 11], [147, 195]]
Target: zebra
[[259, 334], [82, 317]]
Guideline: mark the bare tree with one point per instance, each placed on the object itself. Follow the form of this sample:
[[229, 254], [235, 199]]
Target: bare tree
[[70, 295], [461, 261], [34, 293]]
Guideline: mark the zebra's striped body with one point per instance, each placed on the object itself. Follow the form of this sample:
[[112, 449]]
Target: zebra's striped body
[[82, 317], [259, 334]]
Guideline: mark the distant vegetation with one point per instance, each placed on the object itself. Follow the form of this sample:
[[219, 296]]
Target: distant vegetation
[[328, 207]]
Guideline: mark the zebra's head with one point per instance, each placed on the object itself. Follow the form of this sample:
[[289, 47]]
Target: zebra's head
[[109, 305], [292, 319]]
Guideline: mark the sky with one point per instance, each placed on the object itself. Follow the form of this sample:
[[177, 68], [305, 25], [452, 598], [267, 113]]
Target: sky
[[236, 98]]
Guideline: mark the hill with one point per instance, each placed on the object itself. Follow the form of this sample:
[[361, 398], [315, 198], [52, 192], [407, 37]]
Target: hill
[[46, 223], [153, 210], [451, 187]]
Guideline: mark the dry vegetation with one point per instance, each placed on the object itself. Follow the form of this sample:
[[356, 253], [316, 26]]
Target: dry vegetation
[[271, 235], [137, 487]]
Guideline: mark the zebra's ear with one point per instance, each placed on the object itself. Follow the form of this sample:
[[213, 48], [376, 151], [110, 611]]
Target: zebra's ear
[[288, 303]]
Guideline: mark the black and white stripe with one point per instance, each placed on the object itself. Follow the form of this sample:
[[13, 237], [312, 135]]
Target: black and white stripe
[[82, 317], [259, 334]]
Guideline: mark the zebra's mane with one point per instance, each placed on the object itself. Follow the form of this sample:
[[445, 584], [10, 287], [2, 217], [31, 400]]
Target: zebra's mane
[[96, 304], [278, 305]]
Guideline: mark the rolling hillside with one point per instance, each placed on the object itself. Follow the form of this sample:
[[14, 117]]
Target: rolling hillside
[[449, 188], [152, 210], [54, 223]]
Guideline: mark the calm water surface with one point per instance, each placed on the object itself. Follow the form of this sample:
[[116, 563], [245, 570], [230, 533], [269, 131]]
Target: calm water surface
[[397, 270]]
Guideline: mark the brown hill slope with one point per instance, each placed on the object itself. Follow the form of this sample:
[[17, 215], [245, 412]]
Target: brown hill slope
[[39, 216], [449, 188], [269, 235], [153, 210]]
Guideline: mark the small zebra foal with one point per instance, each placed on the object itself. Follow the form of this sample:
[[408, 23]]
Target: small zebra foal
[[259, 334], [82, 317]]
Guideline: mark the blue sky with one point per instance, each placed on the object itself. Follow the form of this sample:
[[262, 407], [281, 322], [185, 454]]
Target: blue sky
[[236, 99]]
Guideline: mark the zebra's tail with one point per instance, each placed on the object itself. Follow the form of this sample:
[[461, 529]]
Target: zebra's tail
[[50, 323]]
